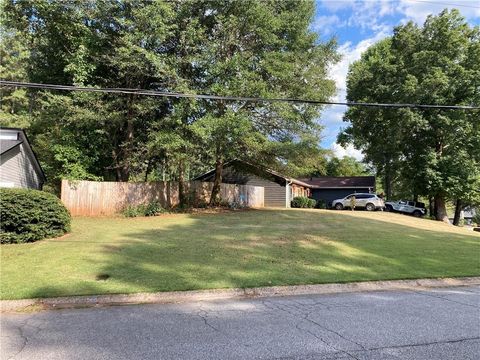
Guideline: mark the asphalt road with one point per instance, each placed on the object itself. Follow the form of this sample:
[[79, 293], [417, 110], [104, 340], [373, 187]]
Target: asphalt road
[[435, 324]]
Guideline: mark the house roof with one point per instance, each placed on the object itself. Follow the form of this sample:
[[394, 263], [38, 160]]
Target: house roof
[[334, 182], [8, 144], [257, 167], [327, 182]]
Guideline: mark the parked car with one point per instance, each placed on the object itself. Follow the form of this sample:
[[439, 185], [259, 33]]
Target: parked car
[[406, 207], [370, 202]]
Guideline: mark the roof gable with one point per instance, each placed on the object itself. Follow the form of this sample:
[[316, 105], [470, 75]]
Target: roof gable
[[8, 142]]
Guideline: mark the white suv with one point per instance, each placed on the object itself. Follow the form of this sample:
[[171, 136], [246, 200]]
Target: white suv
[[370, 202], [416, 209]]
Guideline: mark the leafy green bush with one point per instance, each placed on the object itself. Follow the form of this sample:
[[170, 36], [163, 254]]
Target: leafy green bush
[[153, 209], [321, 204], [29, 215], [303, 202], [130, 211], [150, 209]]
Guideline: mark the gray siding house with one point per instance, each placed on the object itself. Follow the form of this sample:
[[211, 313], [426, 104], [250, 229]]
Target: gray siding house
[[279, 190], [19, 167]]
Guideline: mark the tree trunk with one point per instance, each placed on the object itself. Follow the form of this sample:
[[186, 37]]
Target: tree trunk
[[431, 206], [127, 154], [441, 209], [147, 170], [215, 196], [388, 183], [182, 196], [458, 210]]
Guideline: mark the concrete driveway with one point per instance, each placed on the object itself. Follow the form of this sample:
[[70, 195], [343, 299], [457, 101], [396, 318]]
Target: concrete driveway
[[434, 324]]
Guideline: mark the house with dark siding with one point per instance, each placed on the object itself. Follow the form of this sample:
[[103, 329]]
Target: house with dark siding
[[279, 190], [19, 166], [329, 188]]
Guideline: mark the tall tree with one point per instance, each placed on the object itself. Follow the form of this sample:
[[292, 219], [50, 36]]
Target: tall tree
[[346, 166], [434, 64], [253, 47], [263, 49]]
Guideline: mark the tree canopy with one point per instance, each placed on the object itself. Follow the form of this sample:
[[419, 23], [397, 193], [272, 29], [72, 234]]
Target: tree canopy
[[435, 153], [257, 48]]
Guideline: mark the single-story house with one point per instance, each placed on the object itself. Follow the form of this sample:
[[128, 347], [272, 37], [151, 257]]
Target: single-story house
[[329, 188], [279, 190], [19, 166]]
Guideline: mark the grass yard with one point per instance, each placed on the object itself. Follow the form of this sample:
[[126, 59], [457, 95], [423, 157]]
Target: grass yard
[[235, 249]]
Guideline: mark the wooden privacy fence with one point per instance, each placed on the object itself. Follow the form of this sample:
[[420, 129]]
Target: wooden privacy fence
[[93, 198]]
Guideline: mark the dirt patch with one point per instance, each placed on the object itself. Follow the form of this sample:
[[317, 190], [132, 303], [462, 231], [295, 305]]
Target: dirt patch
[[102, 277]]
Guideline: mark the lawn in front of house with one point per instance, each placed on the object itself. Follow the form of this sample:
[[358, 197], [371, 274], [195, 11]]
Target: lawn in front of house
[[235, 249]]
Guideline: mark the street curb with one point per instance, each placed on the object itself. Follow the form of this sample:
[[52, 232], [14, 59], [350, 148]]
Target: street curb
[[217, 294]]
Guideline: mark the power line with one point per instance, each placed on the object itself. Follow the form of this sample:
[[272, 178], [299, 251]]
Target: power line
[[446, 4], [225, 98]]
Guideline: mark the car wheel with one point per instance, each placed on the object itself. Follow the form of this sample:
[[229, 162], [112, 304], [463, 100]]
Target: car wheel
[[417, 213], [388, 208], [338, 206], [370, 207]]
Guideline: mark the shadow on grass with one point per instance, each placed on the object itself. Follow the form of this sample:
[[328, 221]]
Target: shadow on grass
[[272, 247]]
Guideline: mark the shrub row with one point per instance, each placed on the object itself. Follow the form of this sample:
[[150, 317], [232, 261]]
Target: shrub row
[[28, 215], [150, 209], [303, 202]]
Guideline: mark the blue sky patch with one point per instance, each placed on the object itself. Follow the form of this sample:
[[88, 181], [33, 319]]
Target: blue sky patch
[[357, 24]]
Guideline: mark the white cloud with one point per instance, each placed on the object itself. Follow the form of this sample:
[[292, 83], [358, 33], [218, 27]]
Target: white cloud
[[336, 5], [418, 10], [332, 117], [340, 152], [351, 53], [327, 24], [362, 14]]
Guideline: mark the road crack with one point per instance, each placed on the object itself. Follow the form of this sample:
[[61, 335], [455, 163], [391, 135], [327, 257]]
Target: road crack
[[446, 299]]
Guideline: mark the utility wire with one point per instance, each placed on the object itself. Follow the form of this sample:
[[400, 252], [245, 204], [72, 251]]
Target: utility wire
[[225, 98], [445, 4]]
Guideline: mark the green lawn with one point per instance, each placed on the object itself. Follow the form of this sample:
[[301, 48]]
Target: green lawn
[[235, 249]]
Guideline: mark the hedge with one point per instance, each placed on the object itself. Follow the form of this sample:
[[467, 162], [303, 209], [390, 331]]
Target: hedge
[[29, 215], [303, 202]]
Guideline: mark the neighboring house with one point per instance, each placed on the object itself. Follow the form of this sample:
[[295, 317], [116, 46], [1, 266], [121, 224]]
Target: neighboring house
[[19, 167], [466, 215], [329, 188], [279, 190]]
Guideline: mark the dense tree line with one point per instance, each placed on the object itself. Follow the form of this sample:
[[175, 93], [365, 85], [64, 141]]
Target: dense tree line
[[431, 153], [257, 48]]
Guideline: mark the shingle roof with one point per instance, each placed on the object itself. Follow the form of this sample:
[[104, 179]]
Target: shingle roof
[[314, 183], [6, 145], [261, 168], [340, 181]]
